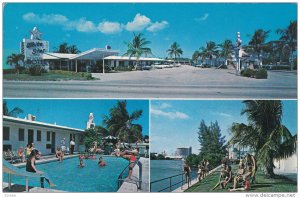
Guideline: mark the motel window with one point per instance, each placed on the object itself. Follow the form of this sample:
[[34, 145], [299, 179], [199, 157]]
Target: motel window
[[48, 135], [21, 134], [5, 133], [38, 136]]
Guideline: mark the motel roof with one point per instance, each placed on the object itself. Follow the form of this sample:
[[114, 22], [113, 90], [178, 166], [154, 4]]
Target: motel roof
[[127, 58], [92, 54], [42, 124]]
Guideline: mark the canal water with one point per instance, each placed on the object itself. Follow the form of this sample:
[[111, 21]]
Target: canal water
[[161, 169]]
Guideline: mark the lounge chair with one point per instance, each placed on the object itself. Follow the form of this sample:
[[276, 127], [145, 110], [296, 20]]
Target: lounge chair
[[12, 170]]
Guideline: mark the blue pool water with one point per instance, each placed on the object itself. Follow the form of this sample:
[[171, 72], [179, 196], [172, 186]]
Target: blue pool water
[[67, 176], [160, 169]]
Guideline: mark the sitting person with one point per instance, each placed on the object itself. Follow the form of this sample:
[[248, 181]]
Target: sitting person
[[101, 162], [95, 148], [30, 167], [81, 157], [223, 175], [21, 154], [227, 178], [246, 176], [28, 150], [59, 154]]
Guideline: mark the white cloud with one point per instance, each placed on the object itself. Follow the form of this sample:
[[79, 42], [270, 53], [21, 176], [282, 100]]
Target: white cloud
[[52, 19], [81, 25], [140, 22], [157, 26], [226, 115], [202, 18], [170, 115], [107, 27]]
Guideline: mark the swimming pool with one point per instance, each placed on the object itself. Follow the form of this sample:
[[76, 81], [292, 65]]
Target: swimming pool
[[67, 176]]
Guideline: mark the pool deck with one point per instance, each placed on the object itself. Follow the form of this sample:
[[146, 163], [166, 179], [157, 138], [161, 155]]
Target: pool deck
[[194, 181], [130, 187]]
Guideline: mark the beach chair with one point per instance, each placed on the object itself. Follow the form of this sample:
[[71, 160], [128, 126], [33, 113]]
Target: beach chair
[[12, 170], [7, 156], [16, 157]]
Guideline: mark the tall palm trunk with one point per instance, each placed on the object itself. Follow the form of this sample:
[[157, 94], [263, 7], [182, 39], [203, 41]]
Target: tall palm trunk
[[269, 166]]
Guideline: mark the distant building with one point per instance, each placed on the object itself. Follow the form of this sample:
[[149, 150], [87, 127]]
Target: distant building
[[90, 123], [19, 132], [183, 152], [36, 52]]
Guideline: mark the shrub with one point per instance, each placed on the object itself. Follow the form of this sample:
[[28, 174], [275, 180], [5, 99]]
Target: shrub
[[261, 74], [295, 64], [36, 70], [9, 71], [88, 76], [248, 72]]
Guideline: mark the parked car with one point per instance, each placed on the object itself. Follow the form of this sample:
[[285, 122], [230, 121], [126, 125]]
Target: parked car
[[146, 67]]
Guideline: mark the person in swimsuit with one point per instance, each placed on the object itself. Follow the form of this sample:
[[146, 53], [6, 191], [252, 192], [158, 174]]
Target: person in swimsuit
[[21, 154], [187, 171], [131, 157], [81, 157], [227, 179], [59, 154], [101, 162], [28, 150], [30, 167]]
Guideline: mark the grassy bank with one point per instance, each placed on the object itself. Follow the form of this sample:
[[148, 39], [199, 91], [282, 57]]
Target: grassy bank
[[53, 75], [263, 184]]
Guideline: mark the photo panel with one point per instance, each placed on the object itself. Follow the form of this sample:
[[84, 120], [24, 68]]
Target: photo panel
[[223, 146], [75, 145]]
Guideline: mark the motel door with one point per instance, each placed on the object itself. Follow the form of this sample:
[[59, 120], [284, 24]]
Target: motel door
[[53, 142], [30, 136]]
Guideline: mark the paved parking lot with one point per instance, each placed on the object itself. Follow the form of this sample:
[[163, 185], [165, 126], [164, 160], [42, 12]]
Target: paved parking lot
[[179, 82]]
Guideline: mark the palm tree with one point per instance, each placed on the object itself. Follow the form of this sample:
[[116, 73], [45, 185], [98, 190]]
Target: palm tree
[[73, 49], [175, 50], [265, 134], [257, 43], [62, 48], [226, 48], [138, 47], [289, 38], [209, 50], [16, 60], [66, 49], [120, 123], [195, 56], [12, 113]]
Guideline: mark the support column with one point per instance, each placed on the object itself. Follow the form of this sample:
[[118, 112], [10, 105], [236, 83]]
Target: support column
[[103, 66], [76, 66]]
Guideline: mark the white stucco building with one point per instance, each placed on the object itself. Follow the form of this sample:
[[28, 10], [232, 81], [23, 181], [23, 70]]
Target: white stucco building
[[19, 132]]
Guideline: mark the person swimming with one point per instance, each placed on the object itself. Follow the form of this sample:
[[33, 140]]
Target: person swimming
[[101, 162], [81, 164]]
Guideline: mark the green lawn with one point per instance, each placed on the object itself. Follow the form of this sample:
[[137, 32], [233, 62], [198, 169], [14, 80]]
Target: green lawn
[[50, 76], [263, 184]]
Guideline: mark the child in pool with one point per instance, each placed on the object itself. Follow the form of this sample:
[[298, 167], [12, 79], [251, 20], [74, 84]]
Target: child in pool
[[81, 164]]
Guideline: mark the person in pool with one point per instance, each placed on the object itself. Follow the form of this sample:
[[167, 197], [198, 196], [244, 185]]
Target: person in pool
[[81, 164], [30, 167], [101, 162], [129, 155], [59, 154]]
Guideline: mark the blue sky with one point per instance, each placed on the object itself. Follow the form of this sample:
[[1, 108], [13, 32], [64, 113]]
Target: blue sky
[[92, 25], [75, 113], [175, 123]]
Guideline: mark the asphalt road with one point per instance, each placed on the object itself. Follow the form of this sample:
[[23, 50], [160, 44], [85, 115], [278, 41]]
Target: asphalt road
[[183, 82]]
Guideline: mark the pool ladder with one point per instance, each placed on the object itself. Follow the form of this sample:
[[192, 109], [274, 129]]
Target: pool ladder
[[136, 181]]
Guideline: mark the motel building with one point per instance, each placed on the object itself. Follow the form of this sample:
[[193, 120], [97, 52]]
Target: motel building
[[36, 52], [46, 137]]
